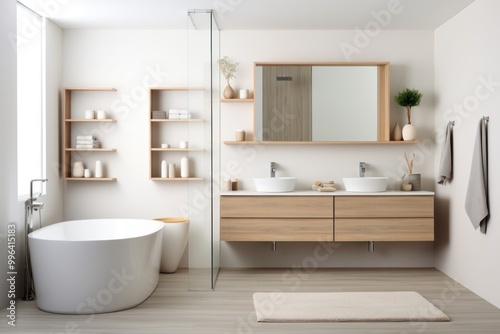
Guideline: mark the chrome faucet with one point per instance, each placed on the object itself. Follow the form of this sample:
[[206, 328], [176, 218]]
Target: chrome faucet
[[362, 169], [30, 206], [273, 169], [34, 205]]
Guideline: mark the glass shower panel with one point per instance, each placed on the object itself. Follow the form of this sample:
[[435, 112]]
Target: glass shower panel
[[203, 83]]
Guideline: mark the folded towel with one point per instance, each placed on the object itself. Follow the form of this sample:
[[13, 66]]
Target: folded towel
[[86, 142], [476, 200], [81, 137], [446, 165], [170, 116], [88, 146], [178, 111]]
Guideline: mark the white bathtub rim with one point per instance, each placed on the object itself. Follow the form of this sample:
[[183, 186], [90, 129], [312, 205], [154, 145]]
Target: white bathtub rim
[[45, 232]]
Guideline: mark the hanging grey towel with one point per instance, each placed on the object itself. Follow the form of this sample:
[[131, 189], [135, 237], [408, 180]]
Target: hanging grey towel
[[476, 200], [446, 163]]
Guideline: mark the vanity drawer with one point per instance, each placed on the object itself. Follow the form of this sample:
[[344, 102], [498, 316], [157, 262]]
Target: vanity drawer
[[276, 229], [384, 206], [384, 229], [276, 206]]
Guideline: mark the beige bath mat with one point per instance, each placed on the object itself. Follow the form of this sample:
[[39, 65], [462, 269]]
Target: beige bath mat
[[345, 306]]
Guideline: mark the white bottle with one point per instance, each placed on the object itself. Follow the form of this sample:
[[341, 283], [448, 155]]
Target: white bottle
[[98, 169], [184, 167], [171, 171], [163, 169]]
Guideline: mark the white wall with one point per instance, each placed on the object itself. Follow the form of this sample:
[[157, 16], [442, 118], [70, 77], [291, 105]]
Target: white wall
[[54, 197], [10, 210], [410, 66], [466, 56], [123, 58], [130, 61]]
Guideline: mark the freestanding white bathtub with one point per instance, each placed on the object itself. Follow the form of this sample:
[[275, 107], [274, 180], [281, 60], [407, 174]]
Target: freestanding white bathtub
[[95, 266]]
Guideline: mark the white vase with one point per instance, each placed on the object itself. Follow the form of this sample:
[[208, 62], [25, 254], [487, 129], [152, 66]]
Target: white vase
[[409, 132], [163, 169], [98, 169], [184, 167]]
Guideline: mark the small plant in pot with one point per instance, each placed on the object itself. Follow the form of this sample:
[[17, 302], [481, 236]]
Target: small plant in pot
[[228, 69], [408, 98]]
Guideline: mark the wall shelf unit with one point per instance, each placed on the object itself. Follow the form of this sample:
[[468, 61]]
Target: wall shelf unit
[[237, 100], [170, 131], [408, 142], [177, 179], [69, 119], [383, 113], [92, 179]]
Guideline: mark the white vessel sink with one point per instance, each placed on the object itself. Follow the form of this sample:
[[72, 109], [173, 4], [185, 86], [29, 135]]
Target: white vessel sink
[[365, 184], [274, 184]]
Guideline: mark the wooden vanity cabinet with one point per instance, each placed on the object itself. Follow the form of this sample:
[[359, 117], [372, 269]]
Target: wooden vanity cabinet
[[276, 218], [384, 218]]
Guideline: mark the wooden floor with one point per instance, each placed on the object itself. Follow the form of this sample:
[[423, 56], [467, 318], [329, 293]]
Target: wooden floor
[[229, 309]]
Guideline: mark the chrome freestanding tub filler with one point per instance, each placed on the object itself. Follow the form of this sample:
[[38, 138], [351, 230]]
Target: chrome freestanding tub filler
[[96, 265]]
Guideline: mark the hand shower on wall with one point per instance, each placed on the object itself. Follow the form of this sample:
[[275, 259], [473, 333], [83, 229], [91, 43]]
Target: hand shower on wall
[[31, 205]]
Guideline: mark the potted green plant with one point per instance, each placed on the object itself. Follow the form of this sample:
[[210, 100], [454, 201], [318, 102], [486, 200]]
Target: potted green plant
[[228, 69], [408, 98]]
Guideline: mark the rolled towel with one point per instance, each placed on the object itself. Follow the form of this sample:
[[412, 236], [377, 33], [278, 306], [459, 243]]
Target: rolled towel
[[476, 200], [446, 164]]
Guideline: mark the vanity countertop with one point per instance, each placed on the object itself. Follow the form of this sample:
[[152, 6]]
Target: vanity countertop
[[333, 193]]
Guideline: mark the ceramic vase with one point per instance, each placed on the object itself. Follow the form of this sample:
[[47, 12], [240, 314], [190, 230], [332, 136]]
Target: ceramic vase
[[78, 169], [409, 132], [228, 92], [414, 180], [397, 134]]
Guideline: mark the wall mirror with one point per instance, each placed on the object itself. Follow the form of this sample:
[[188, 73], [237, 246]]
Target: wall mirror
[[322, 102]]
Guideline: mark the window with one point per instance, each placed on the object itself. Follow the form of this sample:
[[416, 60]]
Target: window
[[30, 110]]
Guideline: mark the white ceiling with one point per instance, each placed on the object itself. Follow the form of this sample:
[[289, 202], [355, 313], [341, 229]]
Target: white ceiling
[[249, 14]]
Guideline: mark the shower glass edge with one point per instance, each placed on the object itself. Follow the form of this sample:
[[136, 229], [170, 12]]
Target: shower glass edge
[[203, 42]]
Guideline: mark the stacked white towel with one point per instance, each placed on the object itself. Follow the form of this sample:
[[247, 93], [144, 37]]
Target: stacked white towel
[[87, 142], [178, 114]]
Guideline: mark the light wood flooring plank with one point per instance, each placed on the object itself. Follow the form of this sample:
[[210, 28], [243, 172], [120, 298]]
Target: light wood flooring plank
[[229, 308]]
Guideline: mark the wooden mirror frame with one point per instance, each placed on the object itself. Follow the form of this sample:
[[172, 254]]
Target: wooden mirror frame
[[383, 112]]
